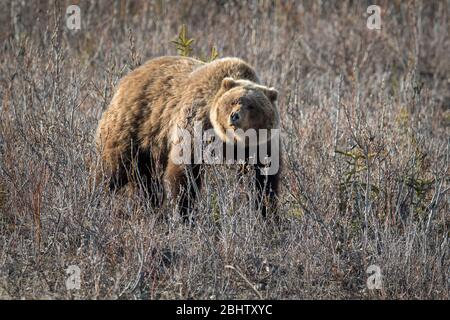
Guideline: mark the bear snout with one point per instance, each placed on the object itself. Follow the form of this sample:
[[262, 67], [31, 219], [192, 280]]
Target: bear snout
[[235, 117]]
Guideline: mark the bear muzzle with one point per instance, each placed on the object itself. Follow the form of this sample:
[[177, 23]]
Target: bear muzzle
[[234, 118]]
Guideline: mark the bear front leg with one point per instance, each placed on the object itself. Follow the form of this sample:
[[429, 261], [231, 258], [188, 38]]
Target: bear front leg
[[183, 183], [267, 192]]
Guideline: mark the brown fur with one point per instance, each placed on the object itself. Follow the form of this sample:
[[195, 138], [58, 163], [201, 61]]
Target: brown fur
[[136, 131]]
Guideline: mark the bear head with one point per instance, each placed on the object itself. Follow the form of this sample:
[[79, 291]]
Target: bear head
[[241, 106]]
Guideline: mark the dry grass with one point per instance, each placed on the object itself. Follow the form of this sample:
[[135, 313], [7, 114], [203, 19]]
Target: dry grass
[[366, 151]]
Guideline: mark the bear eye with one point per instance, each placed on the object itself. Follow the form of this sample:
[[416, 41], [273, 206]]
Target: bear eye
[[250, 107]]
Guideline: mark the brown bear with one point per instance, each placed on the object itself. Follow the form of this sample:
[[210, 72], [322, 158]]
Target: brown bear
[[136, 136]]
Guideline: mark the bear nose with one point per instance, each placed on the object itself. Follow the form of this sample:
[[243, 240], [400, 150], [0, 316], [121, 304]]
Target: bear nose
[[234, 117]]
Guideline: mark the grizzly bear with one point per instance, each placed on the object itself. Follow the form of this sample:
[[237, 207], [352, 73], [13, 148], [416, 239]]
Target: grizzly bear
[[136, 136]]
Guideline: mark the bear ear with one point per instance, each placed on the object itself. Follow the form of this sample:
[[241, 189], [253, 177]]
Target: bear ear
[[228, 83], [272, 94]]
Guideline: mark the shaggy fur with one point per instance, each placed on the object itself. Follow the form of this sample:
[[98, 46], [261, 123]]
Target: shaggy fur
[[137, 129]]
